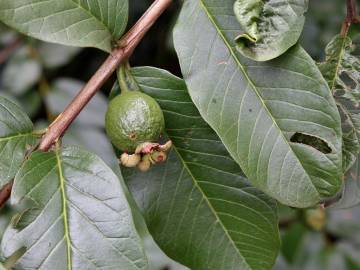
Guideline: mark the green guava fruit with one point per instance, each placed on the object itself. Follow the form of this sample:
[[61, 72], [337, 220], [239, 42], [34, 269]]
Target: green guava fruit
[[133, 118]]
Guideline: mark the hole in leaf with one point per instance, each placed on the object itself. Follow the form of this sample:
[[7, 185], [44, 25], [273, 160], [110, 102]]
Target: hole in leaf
[[312, 141], [22, 220]]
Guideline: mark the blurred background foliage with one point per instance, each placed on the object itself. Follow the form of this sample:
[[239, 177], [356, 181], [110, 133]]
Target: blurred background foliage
[[43, 78]]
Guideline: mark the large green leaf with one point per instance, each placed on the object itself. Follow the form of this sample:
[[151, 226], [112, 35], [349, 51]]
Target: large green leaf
[[15, 139], [198, 205], [80, 218], [270, 27], [278, 119], [91, 23]]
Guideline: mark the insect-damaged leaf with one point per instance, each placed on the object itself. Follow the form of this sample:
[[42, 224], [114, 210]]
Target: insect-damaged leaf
[[341, 69], [270, 27], [91, 23], [259, 108], [79, 218], [15, 139], [198, 205]]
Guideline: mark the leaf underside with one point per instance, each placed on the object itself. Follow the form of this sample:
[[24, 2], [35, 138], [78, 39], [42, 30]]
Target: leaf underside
[[79, 218], [91, 23], [15, 138], [198, 205], [269, 27], [257, 107], [341, 69]]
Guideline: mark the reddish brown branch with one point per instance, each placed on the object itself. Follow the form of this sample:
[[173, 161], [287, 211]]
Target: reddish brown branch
[[6, 52], [126, 47], [351, 17]]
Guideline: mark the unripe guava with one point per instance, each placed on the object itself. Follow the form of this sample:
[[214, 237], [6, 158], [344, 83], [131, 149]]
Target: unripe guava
[[133, 118]]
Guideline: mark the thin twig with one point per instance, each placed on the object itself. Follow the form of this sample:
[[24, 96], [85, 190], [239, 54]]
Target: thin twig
[[351, 17], [6, 52], [120, 54]]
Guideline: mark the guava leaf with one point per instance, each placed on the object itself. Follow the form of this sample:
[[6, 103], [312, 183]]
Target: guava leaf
[[277, 119], [269, 27], [198, 205], [341, 69], [15, 139], [91, 23], [79, 218]]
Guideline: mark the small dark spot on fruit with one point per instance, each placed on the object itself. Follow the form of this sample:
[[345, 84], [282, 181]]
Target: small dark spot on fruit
[[213, 101], [250, 110], [132, 136]]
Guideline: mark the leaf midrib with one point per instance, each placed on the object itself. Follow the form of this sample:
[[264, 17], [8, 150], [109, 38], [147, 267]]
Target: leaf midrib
[[210, 206], [254, 88], [3, 139], [338, 64], [64, 209]]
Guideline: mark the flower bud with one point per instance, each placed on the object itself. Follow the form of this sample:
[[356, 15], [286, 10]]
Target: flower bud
[[130, 160]]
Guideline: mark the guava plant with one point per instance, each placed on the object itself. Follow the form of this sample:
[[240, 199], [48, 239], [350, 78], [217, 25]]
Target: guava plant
[[253, 123]]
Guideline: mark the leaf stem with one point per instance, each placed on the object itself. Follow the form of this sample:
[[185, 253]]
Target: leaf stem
[[121, 53], [351, 17]]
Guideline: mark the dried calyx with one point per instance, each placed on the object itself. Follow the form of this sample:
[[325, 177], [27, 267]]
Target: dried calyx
[[146, 155]]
